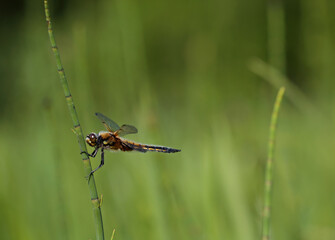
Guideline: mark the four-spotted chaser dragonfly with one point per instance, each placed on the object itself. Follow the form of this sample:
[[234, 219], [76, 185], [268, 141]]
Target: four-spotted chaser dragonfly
[[112, 140]]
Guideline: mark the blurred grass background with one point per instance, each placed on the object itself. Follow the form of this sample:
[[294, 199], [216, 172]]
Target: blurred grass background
[[179, 71]]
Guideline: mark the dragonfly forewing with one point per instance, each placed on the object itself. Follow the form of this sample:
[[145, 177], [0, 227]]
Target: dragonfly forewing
[[109, 123]]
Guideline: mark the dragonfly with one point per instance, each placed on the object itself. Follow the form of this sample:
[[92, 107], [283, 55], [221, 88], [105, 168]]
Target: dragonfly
[[112, 140]]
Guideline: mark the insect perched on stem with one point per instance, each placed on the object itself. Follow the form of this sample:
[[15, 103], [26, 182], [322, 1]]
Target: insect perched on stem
[[112, 140]]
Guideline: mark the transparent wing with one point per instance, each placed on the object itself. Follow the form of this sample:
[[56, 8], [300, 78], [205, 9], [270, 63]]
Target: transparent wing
[[109, 123], [126, 129]]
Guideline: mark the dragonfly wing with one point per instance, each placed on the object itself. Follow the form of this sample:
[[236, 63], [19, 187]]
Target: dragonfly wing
[[126, 129], [109, 123]]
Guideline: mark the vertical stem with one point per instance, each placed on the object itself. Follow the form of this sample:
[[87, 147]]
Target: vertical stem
[[276, 35], [78, 130], [269, 167]]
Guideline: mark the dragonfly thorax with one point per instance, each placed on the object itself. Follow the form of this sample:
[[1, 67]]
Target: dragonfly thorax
[[92, 139]]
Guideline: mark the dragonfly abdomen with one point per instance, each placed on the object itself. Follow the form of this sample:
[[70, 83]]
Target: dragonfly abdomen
[[151, 148]]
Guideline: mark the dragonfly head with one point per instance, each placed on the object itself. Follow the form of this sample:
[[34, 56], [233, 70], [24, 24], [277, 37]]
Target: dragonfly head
[[91, 139]]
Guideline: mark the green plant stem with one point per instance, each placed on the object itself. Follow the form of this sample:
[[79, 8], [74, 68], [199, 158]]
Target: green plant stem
[[276, 34], [269, 167], [78, 130], [277, 79]]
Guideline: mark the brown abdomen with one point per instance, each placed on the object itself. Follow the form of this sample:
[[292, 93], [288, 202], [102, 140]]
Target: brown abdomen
[[144, 148]]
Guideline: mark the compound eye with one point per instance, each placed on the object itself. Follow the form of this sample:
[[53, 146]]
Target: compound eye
[[93, 137]]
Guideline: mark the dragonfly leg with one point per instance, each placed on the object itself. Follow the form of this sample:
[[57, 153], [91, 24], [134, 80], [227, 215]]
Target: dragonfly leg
[[93, 154], [101, 163]]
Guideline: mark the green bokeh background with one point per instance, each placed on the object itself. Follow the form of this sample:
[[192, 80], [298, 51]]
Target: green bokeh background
[[182, 72]]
